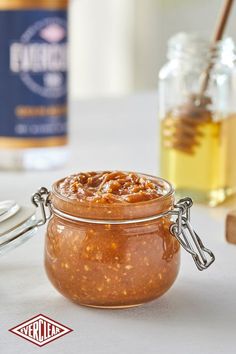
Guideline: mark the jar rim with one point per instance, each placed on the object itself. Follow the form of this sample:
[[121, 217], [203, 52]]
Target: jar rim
[[197, 47], [115, 211]]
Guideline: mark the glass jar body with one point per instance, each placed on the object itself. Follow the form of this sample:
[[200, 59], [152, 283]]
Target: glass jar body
[[115, 261], [111, 265], [188, 146]]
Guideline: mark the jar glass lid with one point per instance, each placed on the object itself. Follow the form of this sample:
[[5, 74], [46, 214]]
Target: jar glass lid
[[17, 224]]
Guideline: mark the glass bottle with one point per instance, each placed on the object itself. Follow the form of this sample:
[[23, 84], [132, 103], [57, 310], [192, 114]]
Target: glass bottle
[[198, 130], [33, 84]]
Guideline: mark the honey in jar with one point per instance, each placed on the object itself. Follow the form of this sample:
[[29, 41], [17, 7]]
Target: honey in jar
[[198, 136]]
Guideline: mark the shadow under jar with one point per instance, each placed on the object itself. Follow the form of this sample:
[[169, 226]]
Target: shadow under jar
[[121, 263]]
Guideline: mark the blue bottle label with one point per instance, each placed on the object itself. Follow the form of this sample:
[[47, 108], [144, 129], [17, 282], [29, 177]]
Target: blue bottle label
[[33, 78]]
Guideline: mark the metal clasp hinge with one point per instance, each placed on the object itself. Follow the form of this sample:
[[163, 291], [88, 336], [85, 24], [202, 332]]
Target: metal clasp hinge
[[187, 237], [42, 199]]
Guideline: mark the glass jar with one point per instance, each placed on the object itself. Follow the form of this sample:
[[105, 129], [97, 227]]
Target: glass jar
[[111, 265], [109, 255], [198, 124]]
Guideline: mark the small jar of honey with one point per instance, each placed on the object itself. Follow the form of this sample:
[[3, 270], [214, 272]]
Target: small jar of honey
[[198, 118]]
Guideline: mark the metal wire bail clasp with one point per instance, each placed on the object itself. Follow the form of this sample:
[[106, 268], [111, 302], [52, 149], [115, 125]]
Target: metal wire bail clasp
[[187, 237], [42, 199]]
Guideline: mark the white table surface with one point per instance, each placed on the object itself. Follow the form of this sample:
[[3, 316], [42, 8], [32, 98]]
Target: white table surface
[[198, 314]]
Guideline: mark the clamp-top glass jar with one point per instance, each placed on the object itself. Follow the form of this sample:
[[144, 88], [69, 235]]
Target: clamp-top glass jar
[[108, 264], [197, 96], [111, 239], [109, 253]]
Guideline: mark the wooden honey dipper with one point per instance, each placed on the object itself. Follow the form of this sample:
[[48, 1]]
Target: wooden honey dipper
[[180, 127]]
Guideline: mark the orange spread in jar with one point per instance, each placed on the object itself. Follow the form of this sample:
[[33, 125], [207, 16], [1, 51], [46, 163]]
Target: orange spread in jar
[[111, 265], [109, 187]]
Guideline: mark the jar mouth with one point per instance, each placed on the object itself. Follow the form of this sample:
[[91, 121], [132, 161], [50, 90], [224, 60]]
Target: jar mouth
[[196, 47], [116, 211]]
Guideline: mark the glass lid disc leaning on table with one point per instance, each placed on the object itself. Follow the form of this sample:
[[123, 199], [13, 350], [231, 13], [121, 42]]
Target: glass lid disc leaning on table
[[17, 224]]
